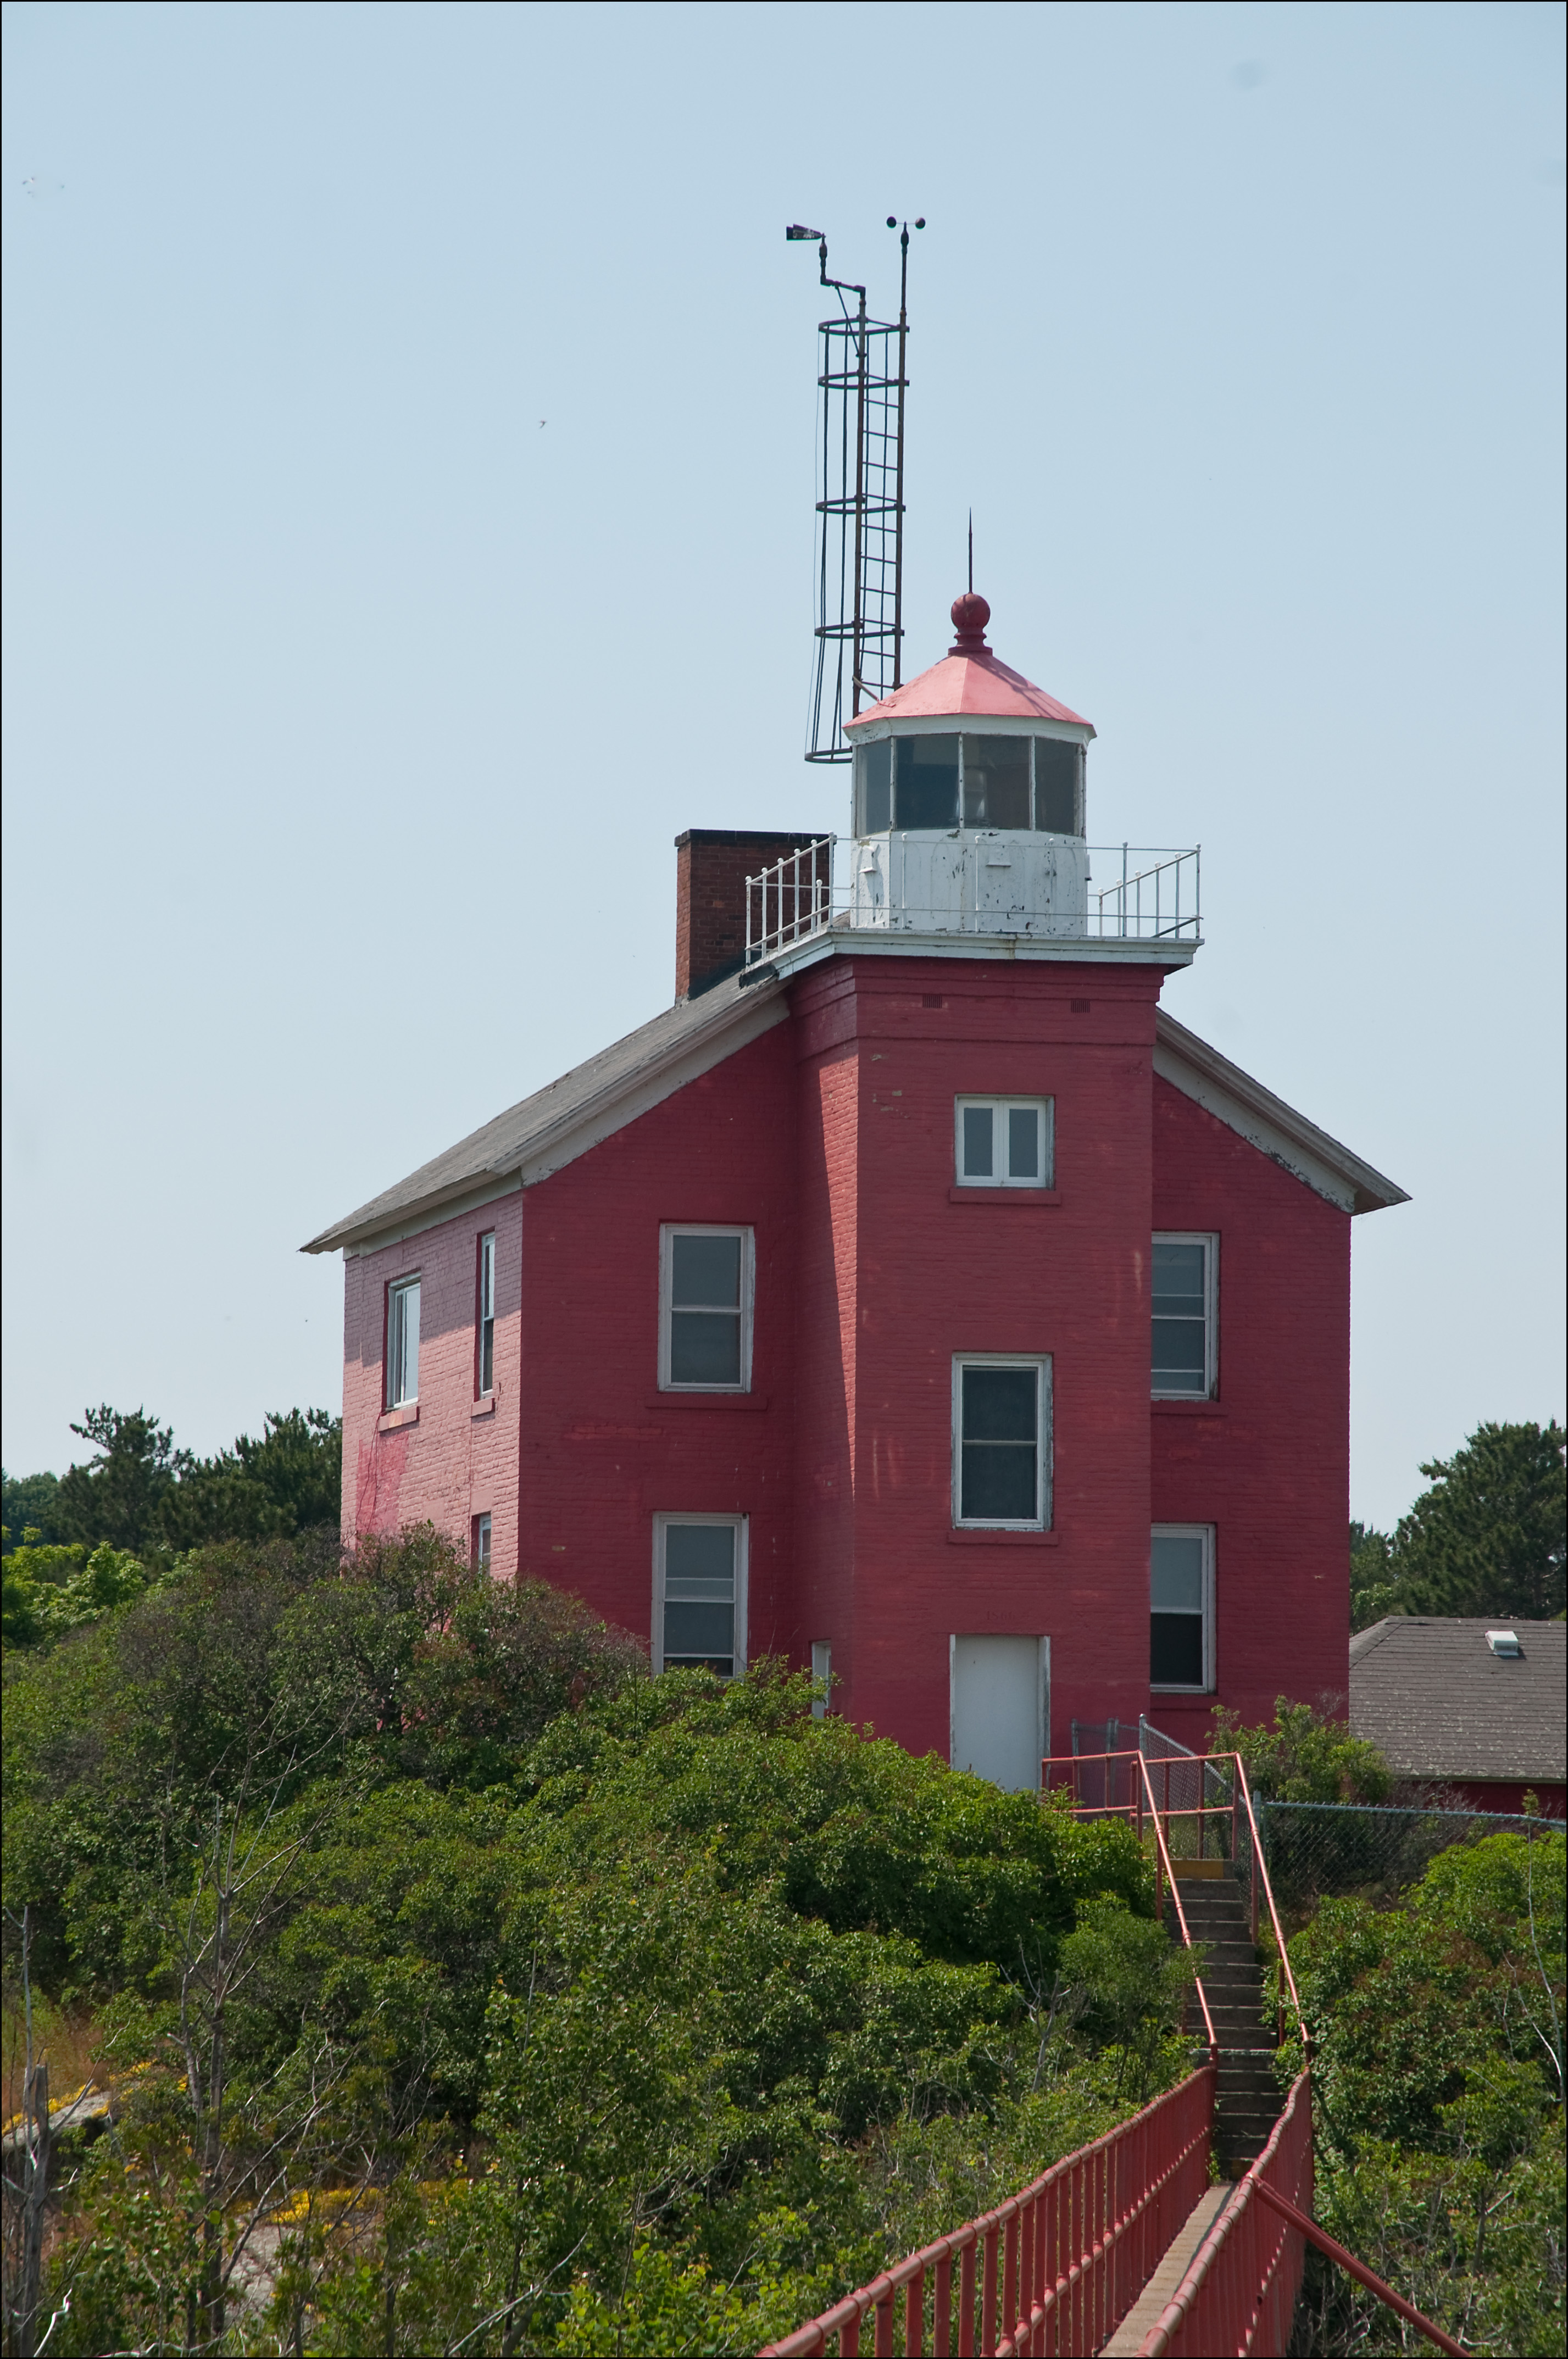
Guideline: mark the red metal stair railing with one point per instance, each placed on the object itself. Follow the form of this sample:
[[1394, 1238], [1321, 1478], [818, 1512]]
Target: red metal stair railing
[[1239, 2294], [1055, 2268]]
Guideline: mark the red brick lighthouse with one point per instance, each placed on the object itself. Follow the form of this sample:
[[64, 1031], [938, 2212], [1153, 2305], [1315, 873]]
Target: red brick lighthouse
[[913, 1298]]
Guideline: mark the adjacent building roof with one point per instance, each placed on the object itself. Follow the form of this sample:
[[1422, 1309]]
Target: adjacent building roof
[[541, 1133], [1440, 1704]]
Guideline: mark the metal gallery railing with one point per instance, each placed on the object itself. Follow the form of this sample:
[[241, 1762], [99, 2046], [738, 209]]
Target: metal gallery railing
[[1155, 897], [1057, 2267]]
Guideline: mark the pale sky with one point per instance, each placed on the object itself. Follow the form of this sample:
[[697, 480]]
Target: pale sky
[[410, 451]]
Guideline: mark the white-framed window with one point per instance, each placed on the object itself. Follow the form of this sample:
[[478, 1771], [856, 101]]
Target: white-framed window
[[481, 1550], [822, 1671], [1004, 1142], [1001, 1440], [699, 1593], [1181, 1607], [484, 1338], [707, 1284], [1184, 1296], [402, 1342]]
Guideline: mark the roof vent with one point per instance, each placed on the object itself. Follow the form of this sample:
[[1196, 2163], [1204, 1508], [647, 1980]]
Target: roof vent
[[1504, 1642]]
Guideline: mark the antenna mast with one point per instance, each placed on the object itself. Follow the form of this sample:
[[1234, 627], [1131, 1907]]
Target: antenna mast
[[860, 539]]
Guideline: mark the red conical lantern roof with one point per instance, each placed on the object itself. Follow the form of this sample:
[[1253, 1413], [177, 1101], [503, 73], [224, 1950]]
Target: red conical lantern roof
[[969, 683]]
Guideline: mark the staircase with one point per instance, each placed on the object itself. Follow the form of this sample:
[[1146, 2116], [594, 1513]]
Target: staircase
[[1247, 2102]]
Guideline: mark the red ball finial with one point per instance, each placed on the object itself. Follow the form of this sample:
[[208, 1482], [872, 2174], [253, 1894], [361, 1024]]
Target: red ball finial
[[970, 616]]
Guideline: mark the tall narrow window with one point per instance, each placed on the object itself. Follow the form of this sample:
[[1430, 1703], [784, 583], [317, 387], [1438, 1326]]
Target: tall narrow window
[[403, 1343], [1180, 1601], [1183, 1292], [699, 1593], [485, 1374], [705, 1300], [1001, 1415], [821, 1673], [1004, 1142], [481, 1543]]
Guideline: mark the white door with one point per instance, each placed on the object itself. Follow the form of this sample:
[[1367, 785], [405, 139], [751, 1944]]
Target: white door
[[1000, 1698]]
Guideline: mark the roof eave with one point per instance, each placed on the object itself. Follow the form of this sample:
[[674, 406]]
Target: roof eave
[[1323, 1162]]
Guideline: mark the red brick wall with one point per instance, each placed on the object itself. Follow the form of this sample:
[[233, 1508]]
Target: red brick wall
[[450, 1465], [914, 1278], [711, 866], [1268, 1462], [601, 1451], [833, 1136]]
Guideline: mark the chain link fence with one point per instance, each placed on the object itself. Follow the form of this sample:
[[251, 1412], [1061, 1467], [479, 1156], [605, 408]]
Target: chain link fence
[[1318, 1850]]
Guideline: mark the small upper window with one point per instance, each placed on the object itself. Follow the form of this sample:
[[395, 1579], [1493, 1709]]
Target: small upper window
[[699, 1593], [705, 1300], [403, 1343], [1182, 1606], [485, 1372], [1001, 1454], [1004, 1142], [1183, 1291]]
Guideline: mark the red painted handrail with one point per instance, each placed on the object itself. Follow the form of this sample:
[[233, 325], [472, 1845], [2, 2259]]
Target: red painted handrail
[[1358, 2269], [1239, 2294], [1164, 1857], [1055, 2268]]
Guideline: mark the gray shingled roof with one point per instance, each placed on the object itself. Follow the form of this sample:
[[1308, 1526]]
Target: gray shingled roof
[[1439, 1703]]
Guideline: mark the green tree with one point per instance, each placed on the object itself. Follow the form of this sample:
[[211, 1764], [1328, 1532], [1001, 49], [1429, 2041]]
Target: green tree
[[29, 1505], [1373, 1591], [1491, 1535], [290, 1481], [1304, 1757], [117, 1496]]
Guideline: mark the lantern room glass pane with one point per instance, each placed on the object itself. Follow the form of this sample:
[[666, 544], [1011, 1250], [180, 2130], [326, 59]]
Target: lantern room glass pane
[[1056, 774], [926, 782], [995, 782], [876, 788]]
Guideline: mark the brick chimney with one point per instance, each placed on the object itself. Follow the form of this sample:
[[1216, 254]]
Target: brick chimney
[[711, 865]]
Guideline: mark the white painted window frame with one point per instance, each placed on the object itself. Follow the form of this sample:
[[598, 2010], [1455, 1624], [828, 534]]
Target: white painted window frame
[[740, 1526], [1204, 1532], [394, 1388], [1001, 1107], [1209, 1239], [483, 1389], [668, 1233], [1043, 1422], [483, 1535]]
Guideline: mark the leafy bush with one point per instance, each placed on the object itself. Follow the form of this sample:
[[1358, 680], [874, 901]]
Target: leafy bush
[[486, 1978], [1438, 2096]]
